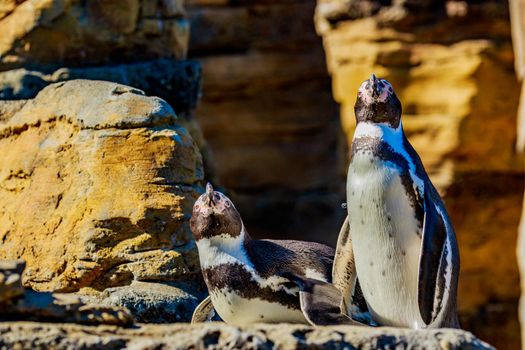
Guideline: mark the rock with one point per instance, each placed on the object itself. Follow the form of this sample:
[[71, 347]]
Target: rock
[[177, 82], [268, 117], [77, 33], [96, 188], [11, 280], [54, 307], [455, 80], [16, 303], [9, 108], [154, 302], [27, 335]]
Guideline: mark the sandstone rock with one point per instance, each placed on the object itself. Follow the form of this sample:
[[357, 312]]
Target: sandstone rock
[[455, 80], [268, 116], [177, 82], [75, 33], [26, 335], [96, 185]]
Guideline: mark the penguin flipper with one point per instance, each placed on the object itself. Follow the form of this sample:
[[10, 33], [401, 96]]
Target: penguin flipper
[[204, 312], [344, 275], [321, 304], [434, 235]]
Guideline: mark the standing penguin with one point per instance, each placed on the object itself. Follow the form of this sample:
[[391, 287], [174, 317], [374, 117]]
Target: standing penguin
[[252, 280], [397, 241]]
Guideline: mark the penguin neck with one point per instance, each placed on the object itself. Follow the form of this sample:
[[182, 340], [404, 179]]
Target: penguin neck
[[224, 248], [394, 137]]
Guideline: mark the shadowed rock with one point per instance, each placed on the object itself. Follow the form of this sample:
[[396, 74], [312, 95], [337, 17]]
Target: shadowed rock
[[17, 303]]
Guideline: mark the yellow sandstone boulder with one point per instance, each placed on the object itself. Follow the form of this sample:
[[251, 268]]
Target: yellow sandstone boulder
[[97, 182]]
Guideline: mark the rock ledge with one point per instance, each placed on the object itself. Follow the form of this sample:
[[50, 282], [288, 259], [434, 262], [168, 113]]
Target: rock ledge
[[27, 335]]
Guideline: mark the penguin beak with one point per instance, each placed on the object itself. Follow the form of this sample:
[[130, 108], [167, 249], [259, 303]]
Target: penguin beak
[[374, 84], [209, 193]]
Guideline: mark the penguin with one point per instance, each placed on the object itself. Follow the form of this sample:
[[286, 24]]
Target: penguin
[[260, 281], [397, 241]]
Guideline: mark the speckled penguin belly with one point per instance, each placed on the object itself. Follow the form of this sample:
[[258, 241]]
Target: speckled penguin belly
[[386, 240]]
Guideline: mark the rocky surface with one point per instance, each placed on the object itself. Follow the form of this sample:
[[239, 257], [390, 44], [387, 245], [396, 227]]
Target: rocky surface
[[152, 302], [11, 280], [140, 43], [110, 175], [452, 66], [28, 335], [177, 82], [77, 33], [268, 117], [104, 178], [18, 303]]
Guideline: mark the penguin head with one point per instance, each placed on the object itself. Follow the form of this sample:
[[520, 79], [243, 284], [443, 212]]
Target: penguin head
[[377, 103], [214, 215]]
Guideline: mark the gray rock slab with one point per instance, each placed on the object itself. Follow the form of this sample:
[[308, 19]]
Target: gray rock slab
[[177, 82], [26, 335]]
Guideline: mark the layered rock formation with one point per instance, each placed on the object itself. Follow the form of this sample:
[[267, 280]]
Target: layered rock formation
[[19, 303], [76, 33], [96, 186], [140, 43], [268, 116], [451, 64], [110, 175], [26, 335]]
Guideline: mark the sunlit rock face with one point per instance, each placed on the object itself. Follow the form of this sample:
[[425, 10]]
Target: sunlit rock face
[[76, 33], [97, 185], [451, 64]]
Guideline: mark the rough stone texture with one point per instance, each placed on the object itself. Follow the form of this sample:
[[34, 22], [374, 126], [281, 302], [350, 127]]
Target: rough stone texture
[[452, 68], [11, 280], [17, 303], [104, 179], [177, 82], [28, 335], [155, 302], [268, 117], [56, 307], [76, 33], [9, 108]]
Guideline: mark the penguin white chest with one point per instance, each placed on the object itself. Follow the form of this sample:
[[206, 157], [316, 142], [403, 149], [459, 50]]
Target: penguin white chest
[[239, 310], [239, 294], [386, 240]]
